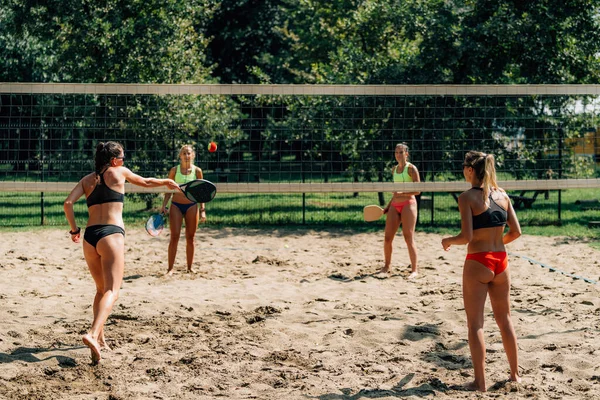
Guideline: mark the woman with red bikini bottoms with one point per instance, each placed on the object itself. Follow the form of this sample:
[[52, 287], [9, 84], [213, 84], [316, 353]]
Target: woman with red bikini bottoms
[[402, 210], [485, 209]]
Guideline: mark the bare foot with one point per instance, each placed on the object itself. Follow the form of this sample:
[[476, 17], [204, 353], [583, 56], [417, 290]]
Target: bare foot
[[473, 386], [384, 270], [90, 342], [413, 275], [192, 271], [103, 345], [169, 272], [516, 379]]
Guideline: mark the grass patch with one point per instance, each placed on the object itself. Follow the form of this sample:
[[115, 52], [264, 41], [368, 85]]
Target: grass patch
[[313, 209]]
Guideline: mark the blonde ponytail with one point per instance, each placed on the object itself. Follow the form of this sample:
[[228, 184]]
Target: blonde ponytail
[[489, 176], [484, 166]]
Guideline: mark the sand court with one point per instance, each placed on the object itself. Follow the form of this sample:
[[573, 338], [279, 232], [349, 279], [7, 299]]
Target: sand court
[[290, 313]]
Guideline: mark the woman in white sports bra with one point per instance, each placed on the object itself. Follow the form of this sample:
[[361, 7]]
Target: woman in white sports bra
[[402, 210], [183, 209]]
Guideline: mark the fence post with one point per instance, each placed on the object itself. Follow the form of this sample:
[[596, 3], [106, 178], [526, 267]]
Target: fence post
[[42, 177], [560, 169]]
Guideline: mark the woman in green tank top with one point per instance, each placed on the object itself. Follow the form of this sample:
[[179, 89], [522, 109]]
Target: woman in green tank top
[[183, 209], [402, 210]]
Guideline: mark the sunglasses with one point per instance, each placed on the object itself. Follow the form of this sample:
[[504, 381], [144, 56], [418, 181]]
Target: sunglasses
[[465, 165]]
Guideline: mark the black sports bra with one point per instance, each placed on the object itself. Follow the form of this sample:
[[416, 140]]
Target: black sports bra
[[103, 194], [493, 217]]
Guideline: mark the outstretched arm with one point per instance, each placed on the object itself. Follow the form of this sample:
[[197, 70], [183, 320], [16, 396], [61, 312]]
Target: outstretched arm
[[149, 182]]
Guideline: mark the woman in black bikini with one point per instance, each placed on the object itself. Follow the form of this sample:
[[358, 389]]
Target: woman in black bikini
[[104, 238], [484, 211]]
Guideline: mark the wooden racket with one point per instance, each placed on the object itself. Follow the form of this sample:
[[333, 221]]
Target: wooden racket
[[372, 213]]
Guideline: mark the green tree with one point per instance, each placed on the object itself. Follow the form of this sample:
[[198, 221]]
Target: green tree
[[245, 41], [456, 42], [110, 41], [105, 41]]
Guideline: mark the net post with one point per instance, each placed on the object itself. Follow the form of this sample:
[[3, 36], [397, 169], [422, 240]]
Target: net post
[[303, 202], [432, 208], [42, 208]]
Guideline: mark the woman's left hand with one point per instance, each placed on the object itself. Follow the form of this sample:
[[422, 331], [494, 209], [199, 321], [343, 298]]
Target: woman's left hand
[[202, 217], [76, 237]]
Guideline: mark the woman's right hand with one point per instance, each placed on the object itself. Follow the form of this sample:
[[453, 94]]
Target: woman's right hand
[[171, 184], [164, 210], [446, 243]]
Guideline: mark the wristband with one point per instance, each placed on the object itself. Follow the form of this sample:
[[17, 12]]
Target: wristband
[[76, 232]]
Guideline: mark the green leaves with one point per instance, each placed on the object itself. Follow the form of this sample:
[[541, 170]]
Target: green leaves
[[107, 41]]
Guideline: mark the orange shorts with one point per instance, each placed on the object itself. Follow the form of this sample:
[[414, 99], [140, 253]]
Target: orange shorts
[[495, 261]]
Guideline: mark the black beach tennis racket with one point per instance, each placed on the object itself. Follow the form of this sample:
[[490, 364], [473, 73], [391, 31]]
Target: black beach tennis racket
[[199, 190], [155, 224]]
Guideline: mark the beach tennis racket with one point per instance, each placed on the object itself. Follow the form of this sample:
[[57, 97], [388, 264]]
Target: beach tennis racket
[[155, 224], [372, 213], [199, 190]]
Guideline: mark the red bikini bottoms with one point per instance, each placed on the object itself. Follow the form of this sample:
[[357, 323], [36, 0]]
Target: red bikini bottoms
[[400, 205], [495, 261]]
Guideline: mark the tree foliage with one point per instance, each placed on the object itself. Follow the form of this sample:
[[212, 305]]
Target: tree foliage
[[321, 42], [105, 41], [113, 41], [451, 42]]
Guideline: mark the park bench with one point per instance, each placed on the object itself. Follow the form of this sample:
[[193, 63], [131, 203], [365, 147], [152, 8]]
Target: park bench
[[522, 201], [588, 204]]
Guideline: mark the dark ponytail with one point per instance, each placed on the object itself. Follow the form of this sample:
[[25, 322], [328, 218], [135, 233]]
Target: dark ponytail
[[106, 151]]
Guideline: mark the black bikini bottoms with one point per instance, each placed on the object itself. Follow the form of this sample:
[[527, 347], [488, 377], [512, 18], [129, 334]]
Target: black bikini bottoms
[[96, 232]]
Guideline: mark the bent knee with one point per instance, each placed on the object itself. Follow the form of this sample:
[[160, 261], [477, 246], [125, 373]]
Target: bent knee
[[114, 293], [388, 239], [474, 326], [409, 237], [503, 321]]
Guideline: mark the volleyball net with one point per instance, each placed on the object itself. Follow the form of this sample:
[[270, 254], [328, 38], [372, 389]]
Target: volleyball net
[[312, 140]]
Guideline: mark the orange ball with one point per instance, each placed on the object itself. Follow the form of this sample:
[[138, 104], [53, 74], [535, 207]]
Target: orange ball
[[212, 147]]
